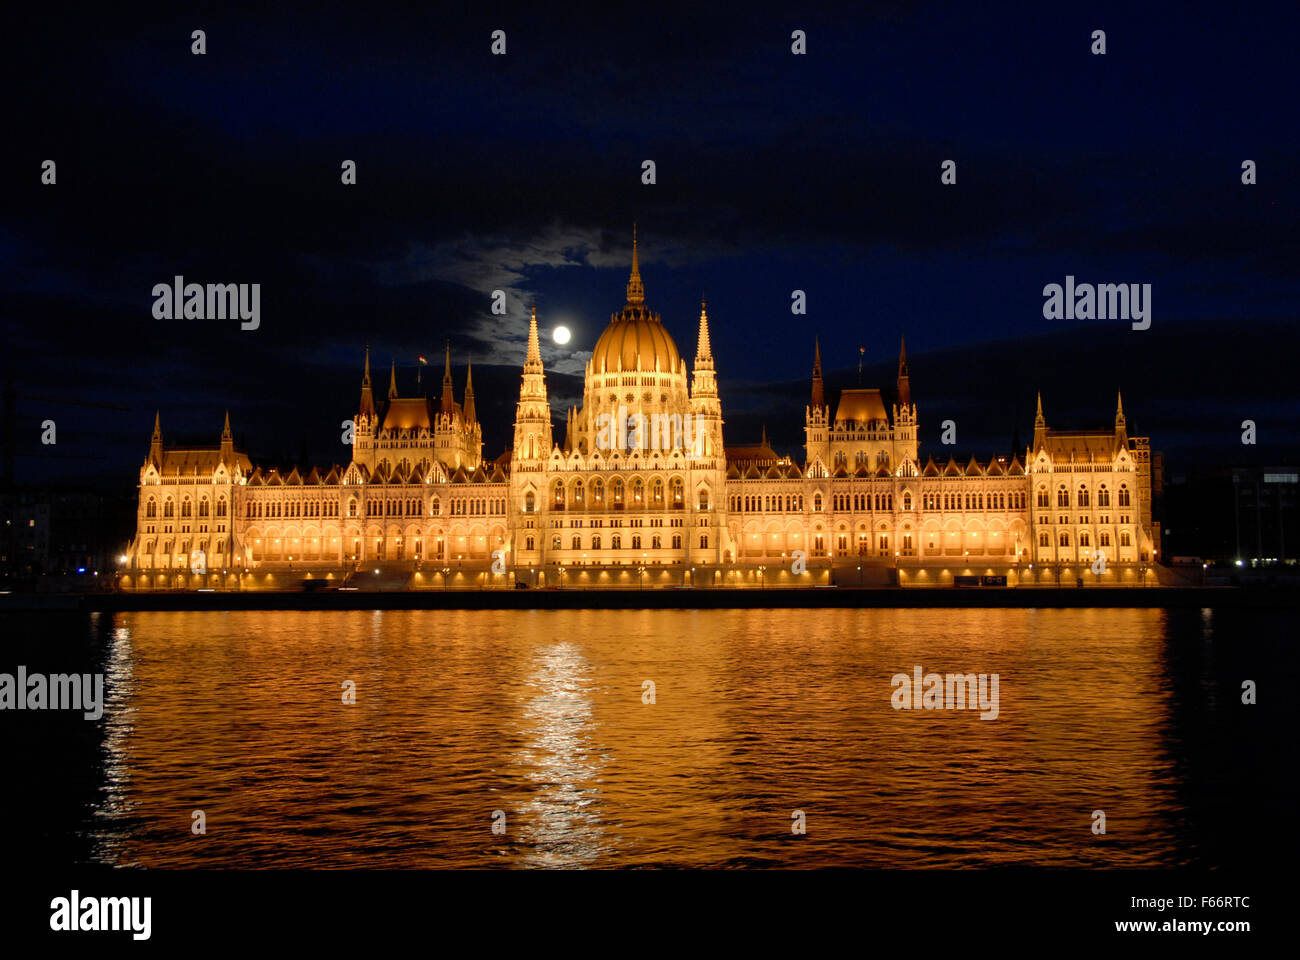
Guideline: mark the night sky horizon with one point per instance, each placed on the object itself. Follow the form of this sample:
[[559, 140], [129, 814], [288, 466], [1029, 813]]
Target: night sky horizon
[[774, 173]]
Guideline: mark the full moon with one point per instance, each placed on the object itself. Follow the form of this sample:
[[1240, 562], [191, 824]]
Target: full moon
[[560, 335]]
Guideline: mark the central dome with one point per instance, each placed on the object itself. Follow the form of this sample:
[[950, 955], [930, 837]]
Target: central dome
[[635, 338]]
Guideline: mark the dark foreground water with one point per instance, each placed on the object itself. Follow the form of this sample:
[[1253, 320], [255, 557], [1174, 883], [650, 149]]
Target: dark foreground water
[[756, 715]]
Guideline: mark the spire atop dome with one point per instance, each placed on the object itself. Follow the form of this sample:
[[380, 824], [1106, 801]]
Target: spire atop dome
[[635, 289]]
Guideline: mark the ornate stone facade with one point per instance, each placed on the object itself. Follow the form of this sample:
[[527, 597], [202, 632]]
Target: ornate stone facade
[[642, 491]]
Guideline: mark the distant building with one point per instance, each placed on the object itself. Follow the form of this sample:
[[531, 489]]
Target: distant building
[[61, 532], [642, 485], [1232, 514], [25, 547]]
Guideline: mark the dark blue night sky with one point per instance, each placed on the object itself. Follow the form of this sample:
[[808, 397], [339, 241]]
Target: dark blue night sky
[[775, 172]]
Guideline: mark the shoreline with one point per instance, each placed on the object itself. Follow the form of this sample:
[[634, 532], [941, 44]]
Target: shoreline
[[661, 599]]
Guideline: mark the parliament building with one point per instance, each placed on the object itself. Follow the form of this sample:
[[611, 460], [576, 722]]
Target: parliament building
[[641, 491]]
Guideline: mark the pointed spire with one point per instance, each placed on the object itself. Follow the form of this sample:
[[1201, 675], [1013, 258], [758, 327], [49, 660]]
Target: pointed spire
[[904, 380], [764, 435], [367, 398], [1040, 425], [534, 345], [471, 414], [392, 382], [155, 442], [1121, 425], [703, 347], [818, 398], [225, 432], [1039, 416], [704, 385], [533, 412], [635, 290], [447, 403]]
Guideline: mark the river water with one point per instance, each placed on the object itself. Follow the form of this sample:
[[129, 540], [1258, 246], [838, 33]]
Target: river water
[[542, 724]]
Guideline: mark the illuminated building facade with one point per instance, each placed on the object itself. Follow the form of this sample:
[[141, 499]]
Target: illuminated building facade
[[642, 491]]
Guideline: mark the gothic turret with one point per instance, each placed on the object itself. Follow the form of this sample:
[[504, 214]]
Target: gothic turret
[[818, 386], [471, 414], [227, 441], [448, 400], [367, 407], [533, 412], [706, 438], [155, 442], [904, 380]]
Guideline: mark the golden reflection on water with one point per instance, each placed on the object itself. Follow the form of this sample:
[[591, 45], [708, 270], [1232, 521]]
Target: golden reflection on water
[[539, 714]]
